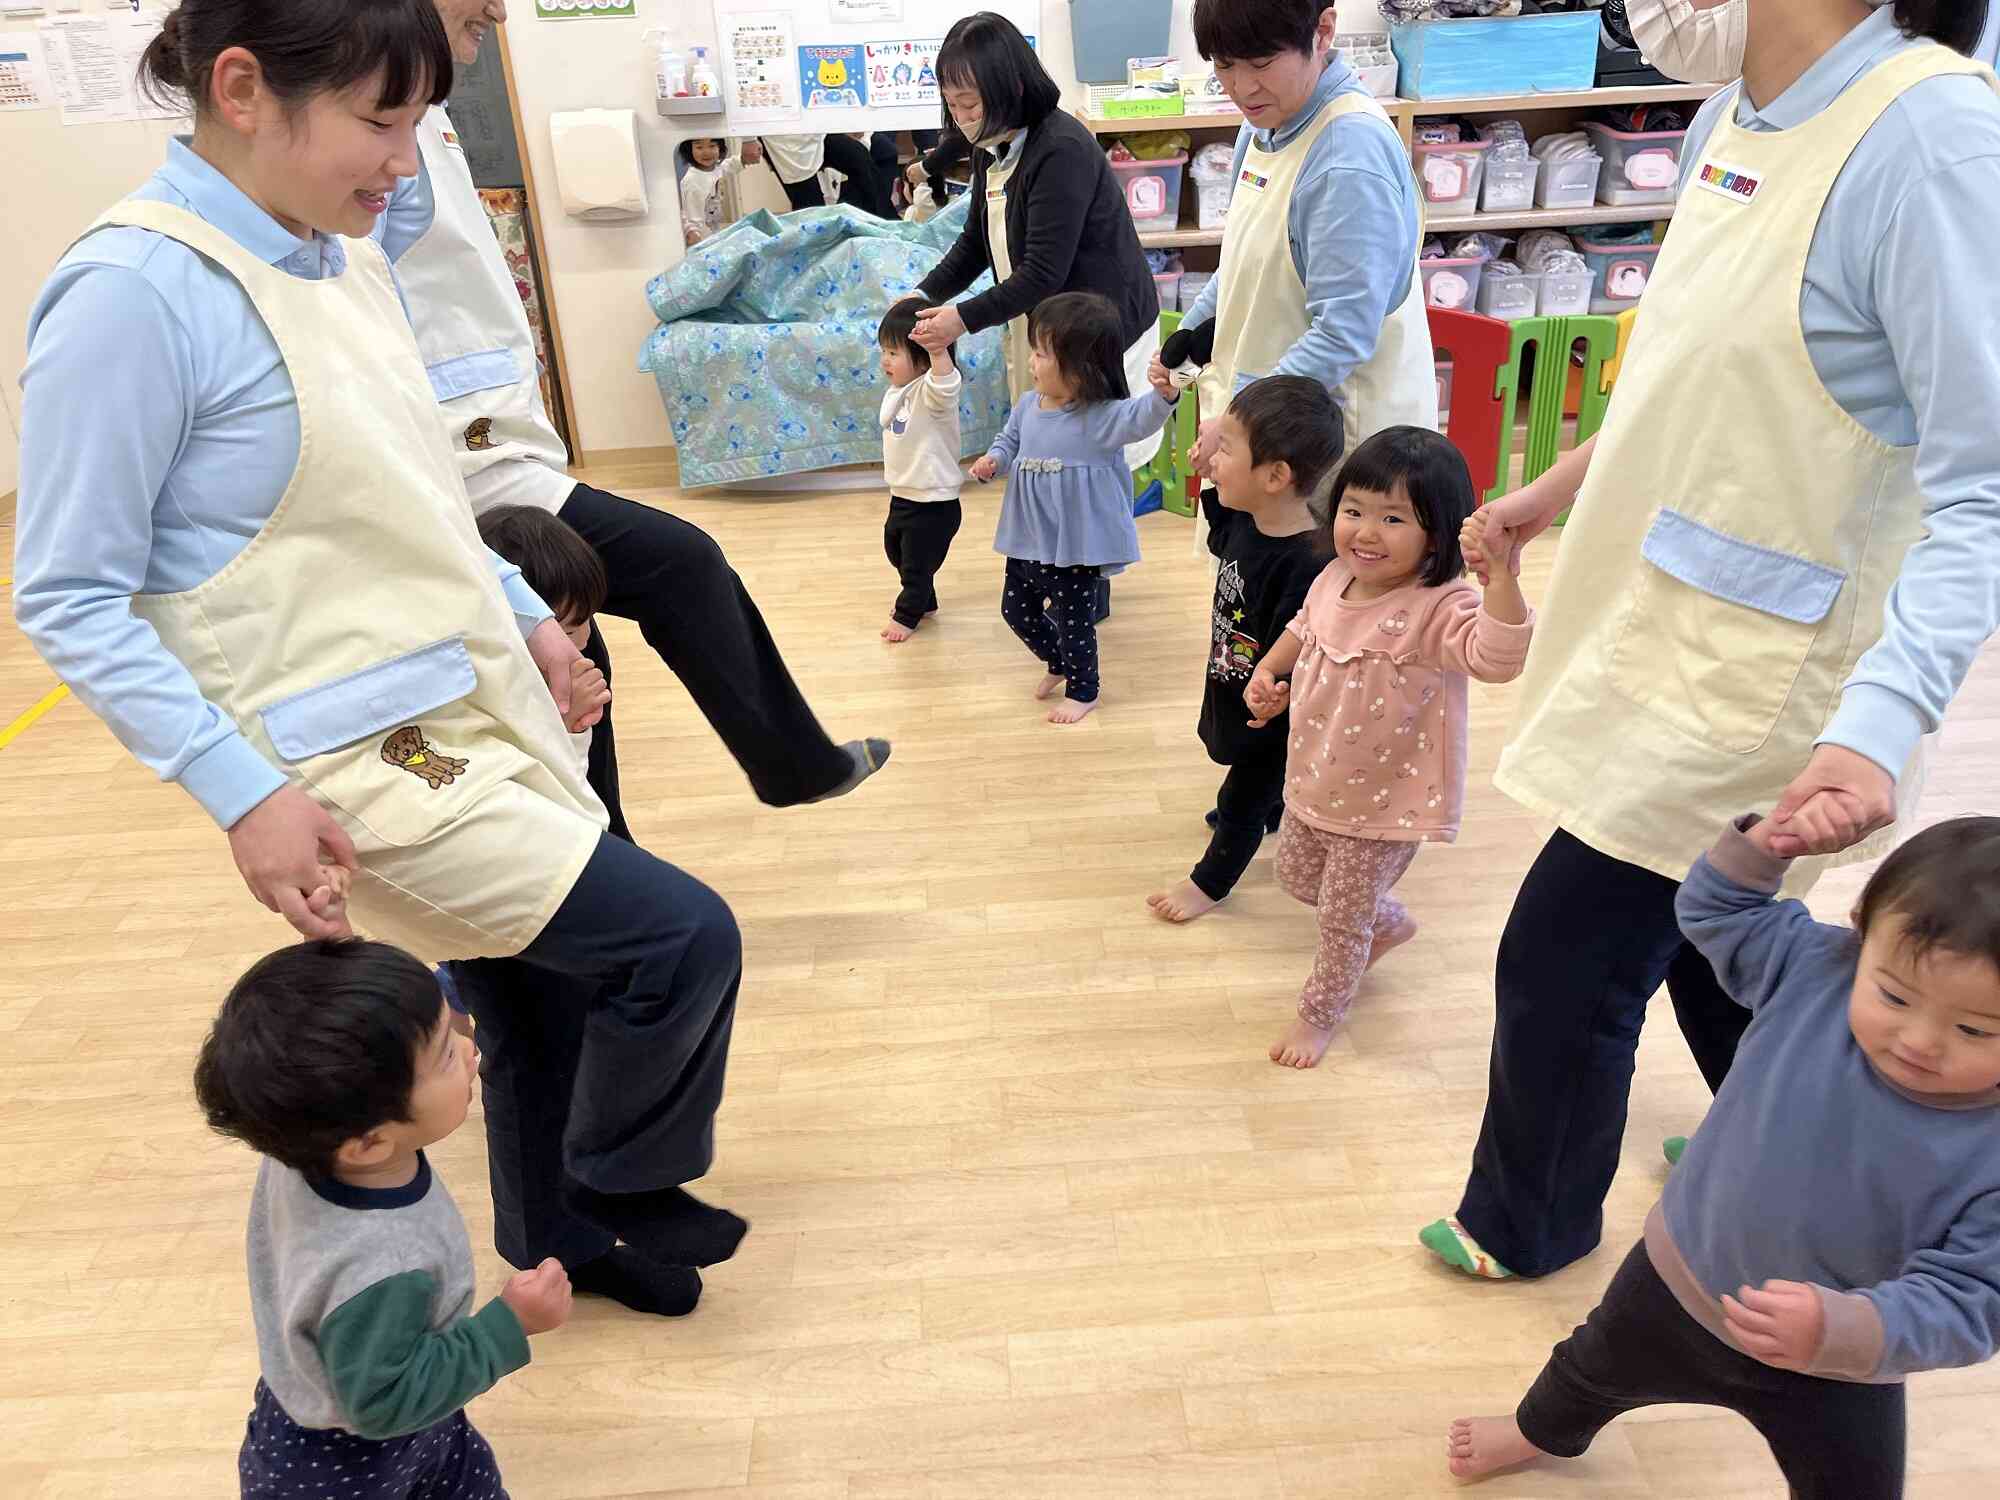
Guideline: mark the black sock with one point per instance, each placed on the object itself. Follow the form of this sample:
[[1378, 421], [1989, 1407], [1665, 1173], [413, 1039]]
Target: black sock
[[626, 1276], [668, 1225]]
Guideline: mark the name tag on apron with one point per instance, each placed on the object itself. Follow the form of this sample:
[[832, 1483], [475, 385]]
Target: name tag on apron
[[1725, 181], [1255, 181]]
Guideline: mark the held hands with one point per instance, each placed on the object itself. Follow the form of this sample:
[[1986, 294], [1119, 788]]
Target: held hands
[[1485, 542], [1266, 697], [938, 326], [985, 467], [1161, 381], [297, 861], [915, 175], [753, 153], [1205, 442], [539, 1298], [1782, 1324], [554, 653], [1837, 801], [588, 692], [1512, 522]]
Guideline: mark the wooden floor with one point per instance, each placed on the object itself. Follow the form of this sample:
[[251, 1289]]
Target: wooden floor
[[1034, 1217]]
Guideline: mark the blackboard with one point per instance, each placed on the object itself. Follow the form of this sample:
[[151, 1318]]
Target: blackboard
[[485, 121]]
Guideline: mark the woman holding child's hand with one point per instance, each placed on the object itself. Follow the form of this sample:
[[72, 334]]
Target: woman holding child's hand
[[1777, 565]]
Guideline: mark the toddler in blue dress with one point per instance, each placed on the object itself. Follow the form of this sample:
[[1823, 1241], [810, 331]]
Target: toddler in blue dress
[[1067, 518]]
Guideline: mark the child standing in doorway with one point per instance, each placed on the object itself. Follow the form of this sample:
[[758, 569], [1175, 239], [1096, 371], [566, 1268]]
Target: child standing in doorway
[[1378, 662], [1067, 517], [1276, 443], [708, 165], [920, 444]]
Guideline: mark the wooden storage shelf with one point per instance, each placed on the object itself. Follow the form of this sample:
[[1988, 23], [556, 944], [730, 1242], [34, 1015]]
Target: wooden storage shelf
[[1551, 218]]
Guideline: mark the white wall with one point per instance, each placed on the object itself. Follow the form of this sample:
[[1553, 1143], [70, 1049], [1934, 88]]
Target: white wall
[[599, 272]]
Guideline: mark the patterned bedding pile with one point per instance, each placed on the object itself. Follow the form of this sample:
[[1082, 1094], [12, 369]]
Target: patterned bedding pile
[[765, 355]]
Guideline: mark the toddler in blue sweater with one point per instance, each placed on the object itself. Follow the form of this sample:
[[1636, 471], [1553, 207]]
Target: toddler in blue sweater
[[1835, 1224]]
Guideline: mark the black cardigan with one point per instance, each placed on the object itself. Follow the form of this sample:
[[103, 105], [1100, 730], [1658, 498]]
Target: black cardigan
[[1068, 230]]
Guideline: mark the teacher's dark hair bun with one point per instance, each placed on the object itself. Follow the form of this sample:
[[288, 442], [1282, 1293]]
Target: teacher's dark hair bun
[[1956, 23], [1079, 331], [305, 47], [1229, 31], [988, 53]]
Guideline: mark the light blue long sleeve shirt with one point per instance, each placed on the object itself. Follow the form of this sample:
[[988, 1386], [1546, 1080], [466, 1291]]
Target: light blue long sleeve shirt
[[159, 430], [1355, 220], [1903, 326]]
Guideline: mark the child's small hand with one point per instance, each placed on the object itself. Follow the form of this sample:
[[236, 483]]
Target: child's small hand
[[985, 467], [1161, 380], [1782, 1323], [329, 901], [753, 153], [588, 694], [539, 1298], [1481, 541], [1266, 697]]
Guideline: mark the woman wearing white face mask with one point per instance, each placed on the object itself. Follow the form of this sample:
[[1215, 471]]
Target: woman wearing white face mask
[[1779, 566], [1047, 214]]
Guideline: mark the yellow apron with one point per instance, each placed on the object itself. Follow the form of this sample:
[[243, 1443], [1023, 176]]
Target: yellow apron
[[1732, 549], [1014, 338], [1261, 311], [361, 642]]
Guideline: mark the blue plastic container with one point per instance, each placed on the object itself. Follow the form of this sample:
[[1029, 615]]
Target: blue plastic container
[[1107, 33], [1550, 54]]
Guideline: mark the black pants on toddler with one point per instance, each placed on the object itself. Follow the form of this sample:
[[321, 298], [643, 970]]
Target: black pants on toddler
[[1254, 786], [1834, 1439], [1063, 633], [917, 536], [281, 1460]]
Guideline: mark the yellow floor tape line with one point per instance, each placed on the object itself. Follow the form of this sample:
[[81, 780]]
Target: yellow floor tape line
[[23, 724]]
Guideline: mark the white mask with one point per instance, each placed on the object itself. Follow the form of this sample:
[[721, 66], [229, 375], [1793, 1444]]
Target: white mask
[[1695, 46]]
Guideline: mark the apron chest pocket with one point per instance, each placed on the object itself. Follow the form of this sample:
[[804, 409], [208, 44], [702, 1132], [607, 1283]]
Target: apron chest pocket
[[399, 745], [1718, 630]]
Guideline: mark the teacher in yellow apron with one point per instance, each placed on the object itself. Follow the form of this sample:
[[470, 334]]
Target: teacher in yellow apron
[[244, 542], [1318, 275], [1047, 213], [1779, 566]]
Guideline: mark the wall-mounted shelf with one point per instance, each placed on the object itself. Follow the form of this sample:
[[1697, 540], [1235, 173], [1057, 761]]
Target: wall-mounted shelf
[[696, 106]]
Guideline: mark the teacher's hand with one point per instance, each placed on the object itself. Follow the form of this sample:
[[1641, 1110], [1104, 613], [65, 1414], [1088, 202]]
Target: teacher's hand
[[915, 174], [557, 656], [1519, 517], [1837, 801], [938, 326], [283, 847]]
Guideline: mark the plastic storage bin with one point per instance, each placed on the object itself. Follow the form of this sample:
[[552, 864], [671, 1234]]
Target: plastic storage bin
[[1639, 166], [1498, 55], [1569, 184], [1510, 297], [1168, 285], [1567, 294], [1212, 191], [1152, 191], [1105, 34], [1451, 284], [1619, 273], [1509, 186], [1450, 173], [1192, 283]]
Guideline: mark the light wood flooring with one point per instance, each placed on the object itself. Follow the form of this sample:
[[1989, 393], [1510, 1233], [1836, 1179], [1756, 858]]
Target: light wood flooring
[[1034, 1217]]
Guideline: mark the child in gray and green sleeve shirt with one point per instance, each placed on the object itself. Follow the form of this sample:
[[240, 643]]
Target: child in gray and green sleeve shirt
[[338, 1062]]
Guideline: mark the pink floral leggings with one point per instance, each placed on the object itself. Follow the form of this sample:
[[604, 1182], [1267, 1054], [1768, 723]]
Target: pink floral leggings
[[1348, 882]]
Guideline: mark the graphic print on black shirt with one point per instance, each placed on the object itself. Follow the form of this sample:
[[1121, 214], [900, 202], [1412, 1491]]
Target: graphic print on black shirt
[[1261, 585]]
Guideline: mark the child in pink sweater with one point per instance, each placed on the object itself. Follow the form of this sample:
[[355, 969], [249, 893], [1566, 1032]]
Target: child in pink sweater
[[1378, 661]]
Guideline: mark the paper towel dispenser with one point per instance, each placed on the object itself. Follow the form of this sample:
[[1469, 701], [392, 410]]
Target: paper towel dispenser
[[598, 169]]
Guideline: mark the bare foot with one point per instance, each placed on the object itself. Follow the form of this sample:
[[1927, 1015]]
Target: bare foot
[[1049, 685], [1069, 711], [1302, 1045], [1183, 903], [895, 630], [1395, 937], [1478, 1446]]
